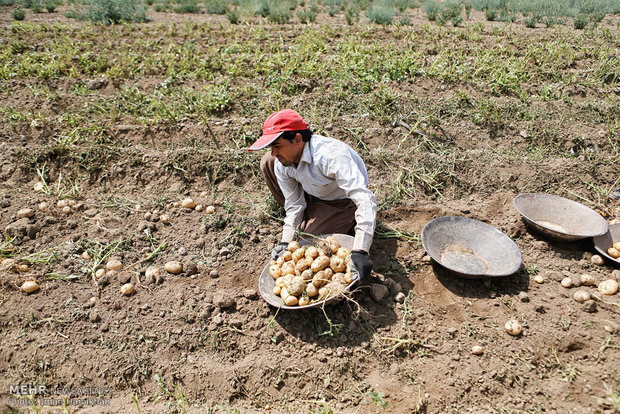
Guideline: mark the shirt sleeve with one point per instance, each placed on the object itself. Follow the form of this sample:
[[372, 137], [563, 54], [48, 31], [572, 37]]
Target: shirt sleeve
[[353, 182], [294, 203]]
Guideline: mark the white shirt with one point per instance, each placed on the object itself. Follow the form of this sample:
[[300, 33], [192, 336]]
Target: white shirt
[[330, 170]]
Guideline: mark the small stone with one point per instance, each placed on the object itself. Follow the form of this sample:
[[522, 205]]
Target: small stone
[[524, 297], [378, 291], [94, 317], [214, 274], [223, 301], [190, 268], [123, 277], [250, 294], [589, 306], [400, 297]]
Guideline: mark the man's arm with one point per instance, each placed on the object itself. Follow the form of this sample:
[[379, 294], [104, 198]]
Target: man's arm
[[294, 204]]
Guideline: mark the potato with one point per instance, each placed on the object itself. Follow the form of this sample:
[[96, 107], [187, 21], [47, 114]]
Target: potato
[[339, 278], [293, 246], [319, 263], [86, 256], [312, 252], [296, 287], [288, 268], [199, 207], [43, 206], [66, 210], [288, 256], [164, 218], [613, 252], [616, 245], [100, 273], [152, 272], [298, 254], [62, 204], [276, 290], [174, 267], [319, 279], [280, 261], [586, 280], [282, 281], [477, 350], [25, 213], [608, 287], [22, 268], [301, 265], [113, 265], [127, 289], [307, 274], [275, 271], [291, 300], [304, 300], [567, 282], [337, 264], [210, 210], [581, 296], [513, 327], [309, 260], [539, 279], [188, 203], [333, 243], [348, 277], [328, 273], [343, 252], [311, 290], [29, 286], [597, 260]]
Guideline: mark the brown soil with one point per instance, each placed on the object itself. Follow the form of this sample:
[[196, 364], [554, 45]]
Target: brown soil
[[207, 342]]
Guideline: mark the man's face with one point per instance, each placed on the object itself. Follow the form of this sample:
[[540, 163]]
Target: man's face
[[288, 152]]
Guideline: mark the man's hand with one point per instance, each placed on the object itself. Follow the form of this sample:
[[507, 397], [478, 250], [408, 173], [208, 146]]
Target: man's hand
[[362, 263], [276, 250]]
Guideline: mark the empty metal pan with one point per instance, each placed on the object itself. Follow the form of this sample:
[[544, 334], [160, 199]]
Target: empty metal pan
[[266, 282], [605, 241], [470, 248], [559, 218]]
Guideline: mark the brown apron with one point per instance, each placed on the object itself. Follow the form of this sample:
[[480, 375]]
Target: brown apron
[[320, 216]]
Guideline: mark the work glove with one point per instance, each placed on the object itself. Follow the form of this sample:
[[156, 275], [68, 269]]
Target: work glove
[[276, 250], [362, 263]]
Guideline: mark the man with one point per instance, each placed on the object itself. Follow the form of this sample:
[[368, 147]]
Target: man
[[322, 183]]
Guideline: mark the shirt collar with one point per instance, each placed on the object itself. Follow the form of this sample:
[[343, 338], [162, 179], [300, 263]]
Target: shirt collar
[[306, 155]]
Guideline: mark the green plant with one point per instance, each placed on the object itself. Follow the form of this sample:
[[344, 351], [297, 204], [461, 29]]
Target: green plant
[[50, 5], [431, 9], [233, 16], [307, 15], [187, 6], [115, 11], [352, 15], [490, 13], [279, 14], [216, 6], [531, 22], [580, 22], [18, 14]]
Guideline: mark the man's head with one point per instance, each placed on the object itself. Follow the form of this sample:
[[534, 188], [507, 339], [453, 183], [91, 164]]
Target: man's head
[[286, 133]]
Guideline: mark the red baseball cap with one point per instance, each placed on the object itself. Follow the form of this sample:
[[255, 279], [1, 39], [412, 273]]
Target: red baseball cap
[[276, 124]]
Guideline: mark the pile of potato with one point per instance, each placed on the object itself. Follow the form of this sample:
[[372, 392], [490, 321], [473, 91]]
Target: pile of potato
[[307, 274]]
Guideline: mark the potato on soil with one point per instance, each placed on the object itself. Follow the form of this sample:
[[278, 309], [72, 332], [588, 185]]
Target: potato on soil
[[567, 282], [152, 272], [597, 260], [22, 268], [174, 267], [113, 265], [188, 203], [29, 286], [477, 350], [210, 210], [127, 289], [25, 213], [581, 296], [586, 280], [608, 287], [513, 327], [100, 273]]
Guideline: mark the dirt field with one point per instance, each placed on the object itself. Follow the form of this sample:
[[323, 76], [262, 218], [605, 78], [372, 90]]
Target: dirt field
[[204, 340]]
